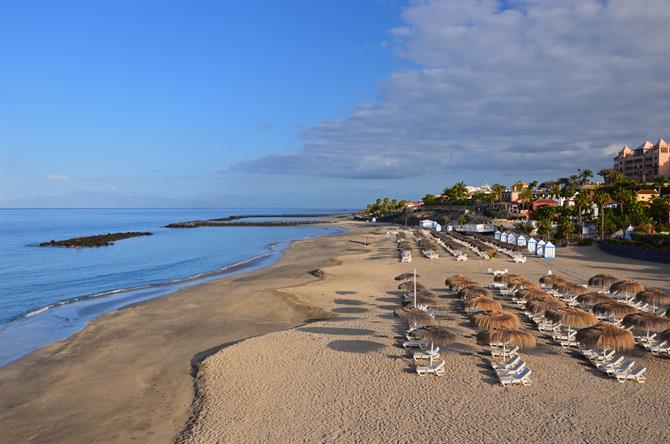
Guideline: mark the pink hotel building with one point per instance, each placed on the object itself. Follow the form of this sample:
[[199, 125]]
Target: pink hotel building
[[646, 162]]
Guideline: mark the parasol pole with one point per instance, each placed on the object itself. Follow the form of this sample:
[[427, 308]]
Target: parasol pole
[[414, 288]]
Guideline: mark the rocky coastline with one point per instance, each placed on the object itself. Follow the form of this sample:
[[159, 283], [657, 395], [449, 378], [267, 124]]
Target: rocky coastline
[[99, 240]]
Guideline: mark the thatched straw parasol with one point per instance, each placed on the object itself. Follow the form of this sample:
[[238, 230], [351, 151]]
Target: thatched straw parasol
[[474, 290], [458, 281], [481, 303], [423, 296], [606, 336], [655, 297], [409, 286], [539, 306], [520, 282], [414, 316], [509, 336], [626, 287], [646, 322], [437, 335], [571, 288], [588, 300], [616, 310], [491, 320], [403, 276], [528, 294], [664, 335], [602, 280], [505, 278], [551, 279], [572, 317]]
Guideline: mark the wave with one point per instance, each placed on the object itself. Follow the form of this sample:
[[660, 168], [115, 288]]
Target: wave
[[272, 249]]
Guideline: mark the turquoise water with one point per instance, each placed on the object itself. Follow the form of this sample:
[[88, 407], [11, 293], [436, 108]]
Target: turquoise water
[[46, 294]]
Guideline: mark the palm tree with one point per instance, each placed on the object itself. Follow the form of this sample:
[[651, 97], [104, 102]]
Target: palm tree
[[526, 196], [567, 227], [496, 191], [555, 191], [585, 175], [602, 198], [583, 201], [459, 191]]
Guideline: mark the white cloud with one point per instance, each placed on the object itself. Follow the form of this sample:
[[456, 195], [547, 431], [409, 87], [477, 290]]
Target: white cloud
[[58, 177], [545, 86]]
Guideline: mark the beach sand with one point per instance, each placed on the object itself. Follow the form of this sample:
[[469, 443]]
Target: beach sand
[[347, 380], [127, 377]]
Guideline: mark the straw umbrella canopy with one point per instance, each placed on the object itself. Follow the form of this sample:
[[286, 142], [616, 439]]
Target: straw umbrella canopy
[[409, 285], [458, 281], [482, 303], [504, 278], [490, 320], [539, 306], [528, 294], [414, 316], [655, 297], [616, 310], [404, 276], [664, 335], [606, 336], [520, 282], [437, 335], [588, 300], [626, 287], [572, 317], [506, 336], [571, 288], [602, 280], [551, 279], [423, 296], [474, 290], [646, 321]]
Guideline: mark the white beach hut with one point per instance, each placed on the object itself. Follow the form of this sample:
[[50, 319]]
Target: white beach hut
[[531, 245], [628, 234], [539, 250], [497, 234], [521, 241], [503, 237], [549, 251], [511, 239]]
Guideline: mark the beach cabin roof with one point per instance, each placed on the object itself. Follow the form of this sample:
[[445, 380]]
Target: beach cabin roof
[[542, 243], [532, 239], [521, 237], [549, 245]]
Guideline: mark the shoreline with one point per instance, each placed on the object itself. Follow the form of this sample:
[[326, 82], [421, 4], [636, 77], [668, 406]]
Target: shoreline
[[128, 347], [98, 304]]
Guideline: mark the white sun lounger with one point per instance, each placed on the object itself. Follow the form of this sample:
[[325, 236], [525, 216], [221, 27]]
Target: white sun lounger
[[521, 378], [623, 368], [436, 368], [415, 343], [427, 354], [612, 363], [515, 370], [637, 374], [504, 353], [504, 365]]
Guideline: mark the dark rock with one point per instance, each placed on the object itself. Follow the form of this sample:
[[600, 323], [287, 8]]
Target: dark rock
[[100, 240], [317, 273]]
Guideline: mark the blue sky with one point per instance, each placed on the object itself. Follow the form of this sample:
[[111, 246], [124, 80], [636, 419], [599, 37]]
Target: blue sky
[[314, 103]]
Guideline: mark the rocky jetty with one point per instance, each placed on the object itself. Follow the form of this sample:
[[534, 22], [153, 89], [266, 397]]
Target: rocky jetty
[[100, 240], [234, 221]]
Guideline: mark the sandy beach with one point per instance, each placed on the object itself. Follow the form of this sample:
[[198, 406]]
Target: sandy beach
[[347, 380], [129, 375]]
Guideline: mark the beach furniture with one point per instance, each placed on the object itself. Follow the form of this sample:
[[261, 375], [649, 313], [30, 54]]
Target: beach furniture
[[610, 363], [436, 368], [504, 365], [427, 354], [514, 370], [663, 347], [637, 375], [414, 343], [503, 352], [626, 366], [521, 378]]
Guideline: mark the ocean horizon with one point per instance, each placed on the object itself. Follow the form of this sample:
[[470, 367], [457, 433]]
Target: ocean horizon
[[47, 293]]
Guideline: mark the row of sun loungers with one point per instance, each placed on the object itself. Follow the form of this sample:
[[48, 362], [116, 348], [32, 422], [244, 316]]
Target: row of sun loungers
[[615, 366], [512, 372], [476, 246]]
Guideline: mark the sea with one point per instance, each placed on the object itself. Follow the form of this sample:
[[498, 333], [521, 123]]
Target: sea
[[49, 293]]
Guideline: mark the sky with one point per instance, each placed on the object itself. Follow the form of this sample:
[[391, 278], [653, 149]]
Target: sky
[[326, 103]]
